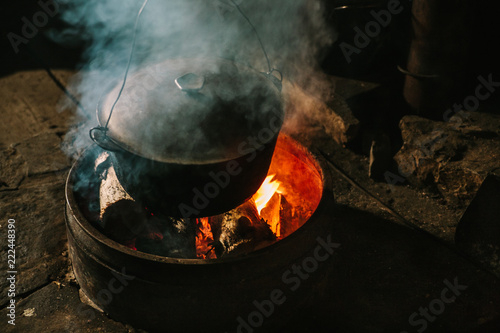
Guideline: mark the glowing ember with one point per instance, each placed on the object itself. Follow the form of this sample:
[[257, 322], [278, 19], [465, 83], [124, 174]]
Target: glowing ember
[[266, 192]]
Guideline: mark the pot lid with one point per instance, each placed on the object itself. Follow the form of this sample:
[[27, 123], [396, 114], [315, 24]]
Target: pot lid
[[193, 111]]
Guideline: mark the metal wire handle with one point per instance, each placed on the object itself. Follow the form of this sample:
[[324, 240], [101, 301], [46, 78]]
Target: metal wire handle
[[99, 134], [270, 70]]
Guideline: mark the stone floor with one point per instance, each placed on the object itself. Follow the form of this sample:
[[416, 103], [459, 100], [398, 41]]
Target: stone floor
[[384, 272]]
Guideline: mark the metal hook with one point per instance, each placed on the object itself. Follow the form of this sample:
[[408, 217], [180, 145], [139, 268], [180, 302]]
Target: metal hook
[[100, 137], [278, 82]]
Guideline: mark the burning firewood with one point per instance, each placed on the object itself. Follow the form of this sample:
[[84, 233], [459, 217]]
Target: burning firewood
[[168, 237], [240, 231], [286, 214], [128, 222], [122, 218], [271, 213]]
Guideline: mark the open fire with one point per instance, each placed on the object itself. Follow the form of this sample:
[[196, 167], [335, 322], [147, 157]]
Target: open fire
[[284, 202], [246, 249], [256, 220]]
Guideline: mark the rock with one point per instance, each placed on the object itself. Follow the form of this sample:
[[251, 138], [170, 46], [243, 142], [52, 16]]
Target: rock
[[478, 232], [453, 157], [427, 145]]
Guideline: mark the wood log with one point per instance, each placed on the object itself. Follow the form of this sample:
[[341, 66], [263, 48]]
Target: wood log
[[128, 222], [169, 237], [271, 213], [240, 231], [288, 223], [122, 218]]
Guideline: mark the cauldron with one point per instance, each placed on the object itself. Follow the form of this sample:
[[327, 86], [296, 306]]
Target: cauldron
[[191, 137]]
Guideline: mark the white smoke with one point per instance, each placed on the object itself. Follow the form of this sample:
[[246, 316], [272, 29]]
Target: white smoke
[[292, 31]]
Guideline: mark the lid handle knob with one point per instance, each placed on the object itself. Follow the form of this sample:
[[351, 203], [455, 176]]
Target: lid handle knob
[[190, 82]]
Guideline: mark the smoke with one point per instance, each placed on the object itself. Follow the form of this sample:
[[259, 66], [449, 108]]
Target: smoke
[[292, 31]]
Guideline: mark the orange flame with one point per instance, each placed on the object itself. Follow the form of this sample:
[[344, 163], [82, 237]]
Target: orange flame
[[204, 238], [263, 198], [266, 192]]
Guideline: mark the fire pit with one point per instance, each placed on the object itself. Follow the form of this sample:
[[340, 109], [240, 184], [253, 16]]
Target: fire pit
[[159, 293]]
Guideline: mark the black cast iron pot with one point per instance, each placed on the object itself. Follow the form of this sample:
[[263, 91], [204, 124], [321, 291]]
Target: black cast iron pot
[[191, 137]]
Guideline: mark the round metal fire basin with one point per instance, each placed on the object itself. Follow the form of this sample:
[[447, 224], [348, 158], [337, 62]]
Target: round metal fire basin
[[163, 294]]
